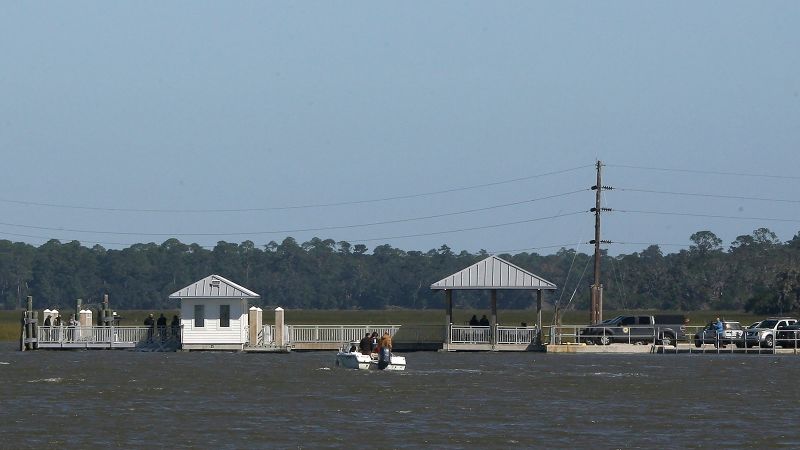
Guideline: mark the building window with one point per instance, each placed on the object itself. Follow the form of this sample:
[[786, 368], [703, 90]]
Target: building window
[[199, 315], [224, 315]]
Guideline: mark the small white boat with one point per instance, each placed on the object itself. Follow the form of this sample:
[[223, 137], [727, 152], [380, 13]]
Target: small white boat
[[350, 358]]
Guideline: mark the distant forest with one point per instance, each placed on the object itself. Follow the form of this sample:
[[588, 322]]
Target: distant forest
[[756, 272]]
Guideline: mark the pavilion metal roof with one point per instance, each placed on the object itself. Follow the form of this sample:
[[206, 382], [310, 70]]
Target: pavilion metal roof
[[493, 273], [214, 286]]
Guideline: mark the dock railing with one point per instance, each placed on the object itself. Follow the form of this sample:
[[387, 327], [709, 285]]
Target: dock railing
[[788, 340], [335, 333], [460, 334], [572, 334], [94, 336]]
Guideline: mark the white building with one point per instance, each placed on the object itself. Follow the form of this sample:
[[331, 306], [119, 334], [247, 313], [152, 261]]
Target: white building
[[214, 314]]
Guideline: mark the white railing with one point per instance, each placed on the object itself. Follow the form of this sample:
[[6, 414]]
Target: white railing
[[101, 335], [335, 333], [516, 335], [482, 335], [470, 335]]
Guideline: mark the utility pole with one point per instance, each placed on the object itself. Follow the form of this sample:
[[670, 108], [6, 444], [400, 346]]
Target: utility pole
[[596, 299]]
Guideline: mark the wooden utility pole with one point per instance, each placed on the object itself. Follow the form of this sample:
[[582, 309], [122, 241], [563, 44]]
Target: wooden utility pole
[[596, 310]]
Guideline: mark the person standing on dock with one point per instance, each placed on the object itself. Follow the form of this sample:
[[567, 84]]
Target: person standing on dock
[[162, 327], [175, 325], [150, 323], [719, 327]]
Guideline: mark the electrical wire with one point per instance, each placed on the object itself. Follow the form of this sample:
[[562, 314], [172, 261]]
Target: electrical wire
[[571, 264], [650, 243], [297, 230], [517, 250], [292, 207], [711, 216], [484, 227], [705, 172], [697, 194], [434, 233]]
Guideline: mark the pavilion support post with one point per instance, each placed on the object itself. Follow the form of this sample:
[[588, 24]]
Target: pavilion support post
[[493, 322], [448, 319], [538, 317]]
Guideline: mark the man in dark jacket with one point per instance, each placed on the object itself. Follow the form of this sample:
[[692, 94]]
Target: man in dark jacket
[[364, 345], [150, 323]]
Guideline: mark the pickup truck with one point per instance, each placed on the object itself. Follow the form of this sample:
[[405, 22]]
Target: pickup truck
[[662, 329]]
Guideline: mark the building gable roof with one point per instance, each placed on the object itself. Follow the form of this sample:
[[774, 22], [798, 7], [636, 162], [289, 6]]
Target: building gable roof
[[214, 286], [493, 273]]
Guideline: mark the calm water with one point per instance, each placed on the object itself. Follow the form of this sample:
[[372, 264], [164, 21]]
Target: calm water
[[92, 399]]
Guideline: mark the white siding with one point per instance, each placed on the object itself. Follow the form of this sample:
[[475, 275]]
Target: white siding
[[212, 333]]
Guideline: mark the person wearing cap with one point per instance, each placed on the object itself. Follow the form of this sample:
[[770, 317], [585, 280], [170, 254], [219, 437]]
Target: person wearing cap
[[150, 323]]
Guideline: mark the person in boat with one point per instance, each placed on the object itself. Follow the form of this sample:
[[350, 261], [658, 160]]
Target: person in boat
[[386, 341], [474, 321], [484, 321], [364, 345], [385, 351], [373, 342]]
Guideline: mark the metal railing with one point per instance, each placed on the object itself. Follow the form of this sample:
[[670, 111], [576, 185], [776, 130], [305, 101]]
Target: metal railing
[[482, 335], [335, 333], [641, 334], [691, 338], [104, 335], [516, 335], [470, 335]]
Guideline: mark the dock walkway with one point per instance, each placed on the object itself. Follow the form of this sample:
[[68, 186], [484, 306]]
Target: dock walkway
[[107, 337]]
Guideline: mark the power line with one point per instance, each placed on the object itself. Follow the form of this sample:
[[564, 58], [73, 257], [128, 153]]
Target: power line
[[517, 250], [696, 194], [298, 230], [434, 233], [706, 172], [292, 207], [660, 244], [712, 216], [458, 230], [46, 238]]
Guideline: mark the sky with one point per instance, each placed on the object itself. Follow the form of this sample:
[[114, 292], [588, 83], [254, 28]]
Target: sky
[[471, 124]]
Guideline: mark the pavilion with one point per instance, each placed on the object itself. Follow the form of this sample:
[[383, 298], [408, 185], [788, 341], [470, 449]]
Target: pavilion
[[492, 274]]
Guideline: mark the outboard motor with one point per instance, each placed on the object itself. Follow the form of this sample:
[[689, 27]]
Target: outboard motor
[[384, 358]]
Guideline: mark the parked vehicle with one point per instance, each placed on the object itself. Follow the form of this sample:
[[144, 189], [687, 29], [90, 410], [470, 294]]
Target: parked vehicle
[[732, 333], [788, 336], [754, 324], [662, 329], [764, 333]]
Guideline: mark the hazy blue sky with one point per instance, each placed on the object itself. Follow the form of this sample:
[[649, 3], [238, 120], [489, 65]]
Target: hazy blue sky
[[202, 106]]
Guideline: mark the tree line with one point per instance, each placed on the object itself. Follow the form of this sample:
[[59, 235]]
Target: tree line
[[756, 272]]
